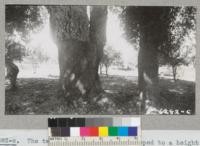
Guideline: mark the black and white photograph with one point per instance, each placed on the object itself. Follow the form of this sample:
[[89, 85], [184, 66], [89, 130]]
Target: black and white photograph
[[99, 60]]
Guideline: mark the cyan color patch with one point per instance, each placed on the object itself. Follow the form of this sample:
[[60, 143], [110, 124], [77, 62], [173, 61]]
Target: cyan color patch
[[122, 131]]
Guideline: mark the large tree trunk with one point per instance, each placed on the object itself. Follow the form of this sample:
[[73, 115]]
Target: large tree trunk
[[98, 19], [147, 71], [78, 53]]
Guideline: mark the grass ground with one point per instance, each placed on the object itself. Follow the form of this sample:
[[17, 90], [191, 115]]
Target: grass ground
[[39, 96]]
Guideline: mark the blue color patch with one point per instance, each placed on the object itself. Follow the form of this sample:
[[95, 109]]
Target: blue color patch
[[122, 131], [133, 131]]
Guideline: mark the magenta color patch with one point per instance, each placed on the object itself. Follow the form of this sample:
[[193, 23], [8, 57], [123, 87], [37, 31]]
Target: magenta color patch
[[84, 131]]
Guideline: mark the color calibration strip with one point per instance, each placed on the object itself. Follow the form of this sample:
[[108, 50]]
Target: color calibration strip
[[93, 122], [93, 131], [91, 127]]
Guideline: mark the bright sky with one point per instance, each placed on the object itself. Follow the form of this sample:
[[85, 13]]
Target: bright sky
[[117, 41], [44, 42]]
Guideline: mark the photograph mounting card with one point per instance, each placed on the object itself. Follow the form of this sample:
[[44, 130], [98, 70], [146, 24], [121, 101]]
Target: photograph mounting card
[[100, 63]]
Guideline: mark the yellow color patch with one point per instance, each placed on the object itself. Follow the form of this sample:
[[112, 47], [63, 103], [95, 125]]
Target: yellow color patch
[[103, 131]]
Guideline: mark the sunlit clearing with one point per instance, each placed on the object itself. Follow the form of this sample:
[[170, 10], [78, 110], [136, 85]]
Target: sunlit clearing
[[115, 39], [43, 42], [42, 61], [183, 72]]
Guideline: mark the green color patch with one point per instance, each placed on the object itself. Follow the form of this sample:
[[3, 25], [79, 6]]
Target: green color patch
[[113, 131]]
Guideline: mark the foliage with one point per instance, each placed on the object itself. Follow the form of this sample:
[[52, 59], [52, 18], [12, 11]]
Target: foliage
[[111, 57], [138, 20], [20, 21], [15, 50], [22, 18], [174, 50], [158, 21], [168, 28], [38, 55]]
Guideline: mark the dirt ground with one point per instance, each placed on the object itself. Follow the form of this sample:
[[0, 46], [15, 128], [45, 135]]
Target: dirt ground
[[39, 96]]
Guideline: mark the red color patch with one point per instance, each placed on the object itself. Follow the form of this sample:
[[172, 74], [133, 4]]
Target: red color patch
[[94, 131]]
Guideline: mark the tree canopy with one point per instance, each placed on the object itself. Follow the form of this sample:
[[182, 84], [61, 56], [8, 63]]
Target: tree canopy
[[168, 26], [22, 18]]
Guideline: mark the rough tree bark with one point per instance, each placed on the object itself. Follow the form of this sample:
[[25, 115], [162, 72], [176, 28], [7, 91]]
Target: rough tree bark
[[80, 43], [147, 70], [98, 19]]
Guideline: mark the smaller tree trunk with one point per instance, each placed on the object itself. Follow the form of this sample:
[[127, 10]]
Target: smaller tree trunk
[[100, 69], [106, 70], [174, 71]]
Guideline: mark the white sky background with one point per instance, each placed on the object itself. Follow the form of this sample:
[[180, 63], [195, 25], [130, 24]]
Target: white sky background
[[44, 40], [116, 39]]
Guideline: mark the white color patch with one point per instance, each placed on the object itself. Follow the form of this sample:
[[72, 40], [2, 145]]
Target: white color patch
[[74, 131], [131, 121]]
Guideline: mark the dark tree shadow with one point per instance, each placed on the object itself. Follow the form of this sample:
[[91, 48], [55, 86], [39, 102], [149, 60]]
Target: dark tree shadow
[[40, 96]]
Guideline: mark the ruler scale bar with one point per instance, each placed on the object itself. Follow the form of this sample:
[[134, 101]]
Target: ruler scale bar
[[94, 141]]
